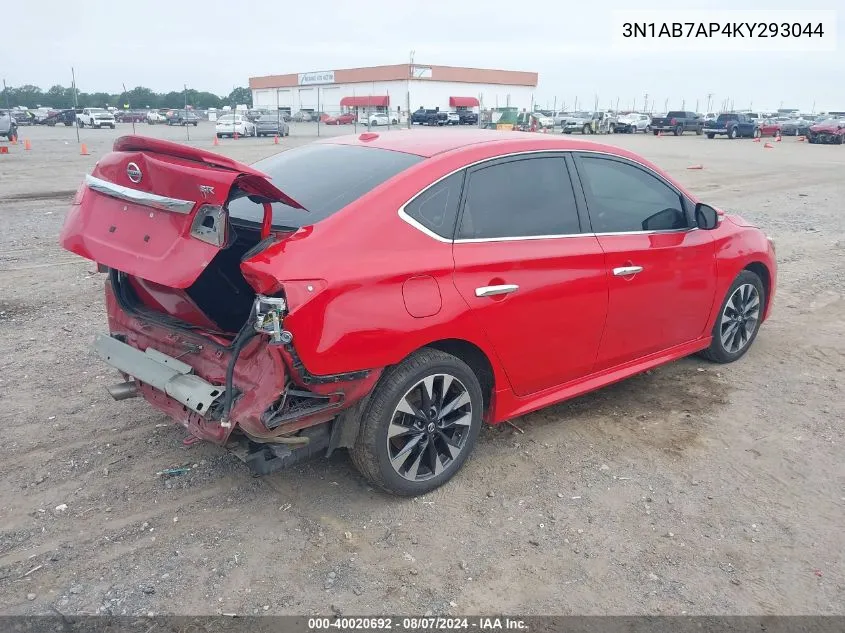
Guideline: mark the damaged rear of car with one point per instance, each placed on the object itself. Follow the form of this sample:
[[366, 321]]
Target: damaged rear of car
[[197, 308]]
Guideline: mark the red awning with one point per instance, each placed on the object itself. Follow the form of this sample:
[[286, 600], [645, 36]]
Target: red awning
[[463, 102], [363, 102]]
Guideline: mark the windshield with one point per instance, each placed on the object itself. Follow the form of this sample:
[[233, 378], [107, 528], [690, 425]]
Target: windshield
[[302, 173]]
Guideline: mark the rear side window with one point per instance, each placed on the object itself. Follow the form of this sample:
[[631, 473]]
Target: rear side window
[[323, 178], [520, 198], [436, 208]]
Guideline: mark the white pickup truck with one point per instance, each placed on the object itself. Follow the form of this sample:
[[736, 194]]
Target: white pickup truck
[[95, 117]]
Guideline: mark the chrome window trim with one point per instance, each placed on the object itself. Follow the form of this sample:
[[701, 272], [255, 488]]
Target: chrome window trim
[[423, 229], [162, 203]]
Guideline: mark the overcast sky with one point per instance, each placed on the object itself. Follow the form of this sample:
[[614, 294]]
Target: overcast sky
[[213, 45]]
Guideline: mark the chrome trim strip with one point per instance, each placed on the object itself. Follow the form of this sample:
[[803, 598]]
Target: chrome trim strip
[[414, 223], [625, 271], [162, 203]]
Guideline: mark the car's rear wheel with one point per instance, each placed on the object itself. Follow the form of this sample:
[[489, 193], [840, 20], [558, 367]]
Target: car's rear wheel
[[656, 132], [757, 133], [739, 319], [711, 136], [420, 425], [679, 130], [586, 129]]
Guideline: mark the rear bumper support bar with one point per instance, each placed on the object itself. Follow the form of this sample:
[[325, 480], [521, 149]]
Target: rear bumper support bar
[[165, 373]]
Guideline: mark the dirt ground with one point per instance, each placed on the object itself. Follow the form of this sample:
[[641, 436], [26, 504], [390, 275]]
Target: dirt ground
[[693, 489]]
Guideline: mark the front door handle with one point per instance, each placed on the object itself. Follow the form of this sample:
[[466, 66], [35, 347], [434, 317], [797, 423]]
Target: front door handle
[[627, 271], [490, 291]]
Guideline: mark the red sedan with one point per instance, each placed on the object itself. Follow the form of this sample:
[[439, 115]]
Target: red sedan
[[770, 128], [433, 283], [341, 119]]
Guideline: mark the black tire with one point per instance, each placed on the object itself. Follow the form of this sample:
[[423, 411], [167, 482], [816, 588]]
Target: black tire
[[717, 352], [678, 131], [80, 123], [656, 132], [711, 136], [112, 126], [219, 136], [195, 123], [371, 452], [757, 133], [699, 131], [732, 133], [586, 129]]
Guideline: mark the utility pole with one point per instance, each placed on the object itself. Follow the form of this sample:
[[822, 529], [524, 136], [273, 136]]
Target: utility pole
[[75, 101], [187, 131], [709, 95], [645, 102], [408, 95]]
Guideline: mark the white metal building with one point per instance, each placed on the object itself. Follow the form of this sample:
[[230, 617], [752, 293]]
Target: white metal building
[[395, 88]]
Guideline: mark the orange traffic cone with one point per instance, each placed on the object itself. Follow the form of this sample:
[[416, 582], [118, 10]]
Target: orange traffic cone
[[778, 139], [276, 140], [216, 142], [800, 139], [83, 150], [660, 133], [768, 146], [696, 167], [235, 136], [13, 140], [757, 140], [27, 145], [4, 149]]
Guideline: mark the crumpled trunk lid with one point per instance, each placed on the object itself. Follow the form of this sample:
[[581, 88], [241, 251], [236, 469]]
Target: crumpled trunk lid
[[157, 210]]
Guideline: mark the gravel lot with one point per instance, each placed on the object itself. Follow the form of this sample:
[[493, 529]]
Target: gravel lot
[[695, 488]]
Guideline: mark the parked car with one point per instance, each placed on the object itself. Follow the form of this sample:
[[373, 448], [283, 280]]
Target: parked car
[[182, 117], [452, 118], [427, 116], [579, 122], [131, 116], [154, 116], [678, 122], [271, 125], [8, 125], [231, 124], [828, 131], [259, 329], [544, 120], [68, 117], [770, 127], [383, 118], [560, 118], [799, 126], [633, 122], [96, 118], [301, 116], [467, 117], [341, 119], [22, 117], [733, 125]]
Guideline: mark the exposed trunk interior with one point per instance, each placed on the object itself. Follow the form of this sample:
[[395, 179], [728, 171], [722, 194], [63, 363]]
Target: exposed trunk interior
[[220, 292]]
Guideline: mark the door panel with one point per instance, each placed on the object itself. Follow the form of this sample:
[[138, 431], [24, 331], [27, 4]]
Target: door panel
[[536, 285], [548, 331], [666, 304], [661, 273]]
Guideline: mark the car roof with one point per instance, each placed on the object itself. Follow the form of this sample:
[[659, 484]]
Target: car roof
[[428, 143]]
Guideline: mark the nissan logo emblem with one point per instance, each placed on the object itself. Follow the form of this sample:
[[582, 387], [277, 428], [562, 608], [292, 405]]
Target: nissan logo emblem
[[134, 172]]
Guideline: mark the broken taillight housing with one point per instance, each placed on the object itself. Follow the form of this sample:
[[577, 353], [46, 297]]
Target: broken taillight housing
[[210, 225], [268, 314]]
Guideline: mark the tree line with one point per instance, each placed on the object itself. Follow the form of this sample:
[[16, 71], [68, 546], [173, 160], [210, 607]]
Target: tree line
[[139, 98]]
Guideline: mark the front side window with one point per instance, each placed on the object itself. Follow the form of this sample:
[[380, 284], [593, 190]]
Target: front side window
[[436, 208], [622, 197], [520, 198]]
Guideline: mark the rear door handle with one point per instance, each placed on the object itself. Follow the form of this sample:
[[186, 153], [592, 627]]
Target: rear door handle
[[626, 271], [490, 291]]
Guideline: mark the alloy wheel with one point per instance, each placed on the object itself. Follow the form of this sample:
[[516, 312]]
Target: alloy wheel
[[429, 427], [740, 318]]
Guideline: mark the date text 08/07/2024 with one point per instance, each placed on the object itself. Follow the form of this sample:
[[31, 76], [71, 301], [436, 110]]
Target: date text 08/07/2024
[[719, 29], [417, 623]]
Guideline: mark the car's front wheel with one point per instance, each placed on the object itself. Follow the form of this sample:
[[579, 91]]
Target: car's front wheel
[[739, 319], [420, 425]]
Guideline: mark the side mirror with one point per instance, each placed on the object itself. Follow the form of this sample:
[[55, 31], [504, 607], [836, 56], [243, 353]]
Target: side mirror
[[706, 217]]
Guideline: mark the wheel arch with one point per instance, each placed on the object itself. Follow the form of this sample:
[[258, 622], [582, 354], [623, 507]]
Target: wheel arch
[[762, 271], [478, 362]]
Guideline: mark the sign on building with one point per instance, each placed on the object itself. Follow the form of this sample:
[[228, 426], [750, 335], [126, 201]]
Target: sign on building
[[321, 77]]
